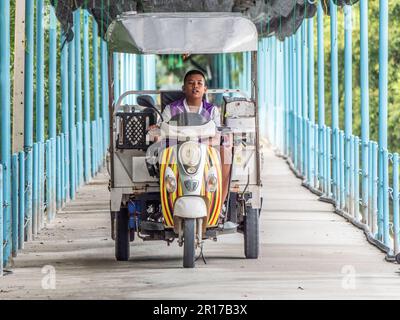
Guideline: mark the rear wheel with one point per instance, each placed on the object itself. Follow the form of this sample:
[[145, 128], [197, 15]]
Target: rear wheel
[[189, 243], [251, 233], [122, 235]]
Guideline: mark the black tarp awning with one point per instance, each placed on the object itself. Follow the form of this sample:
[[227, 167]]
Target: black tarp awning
[[272, 17]]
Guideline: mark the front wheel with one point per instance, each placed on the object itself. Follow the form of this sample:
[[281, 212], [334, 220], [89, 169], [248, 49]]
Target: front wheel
[[189, 243], [251, 233], [122, 247]]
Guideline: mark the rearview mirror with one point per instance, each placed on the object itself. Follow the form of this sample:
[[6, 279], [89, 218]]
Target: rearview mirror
[[146, 101]]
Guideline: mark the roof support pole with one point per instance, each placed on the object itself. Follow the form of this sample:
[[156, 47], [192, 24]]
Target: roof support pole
[[348, 103], [78, 93], [86, 99], [5, 114], [321, 94], [65, 118], [335, 98], [304, 104], [95, 45], [72, 128], [383, 114], [311, 102]]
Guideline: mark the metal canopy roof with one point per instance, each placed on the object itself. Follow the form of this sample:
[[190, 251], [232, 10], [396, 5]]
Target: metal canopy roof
[[180, 33], [280, 18]]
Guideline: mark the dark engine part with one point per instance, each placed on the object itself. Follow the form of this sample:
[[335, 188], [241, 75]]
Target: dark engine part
[[149, 216]]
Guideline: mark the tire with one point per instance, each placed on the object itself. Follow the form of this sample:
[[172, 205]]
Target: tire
[[233, 207], [122, 248], [398, 258], [189, 243], [251, 234]]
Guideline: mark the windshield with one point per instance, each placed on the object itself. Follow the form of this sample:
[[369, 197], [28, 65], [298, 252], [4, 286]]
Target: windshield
[[186, 119]]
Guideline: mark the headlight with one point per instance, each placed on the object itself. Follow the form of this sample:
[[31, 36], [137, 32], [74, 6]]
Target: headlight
[[212, 181], [170, 180], [189, 154]]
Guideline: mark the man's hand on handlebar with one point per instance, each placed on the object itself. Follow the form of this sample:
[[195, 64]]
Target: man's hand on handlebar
[[154, 132]]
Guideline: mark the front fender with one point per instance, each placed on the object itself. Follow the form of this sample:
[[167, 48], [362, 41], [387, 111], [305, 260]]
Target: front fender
[[190, 207]]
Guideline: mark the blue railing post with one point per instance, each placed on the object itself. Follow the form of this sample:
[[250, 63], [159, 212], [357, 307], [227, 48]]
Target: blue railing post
[[95, 46], [78, 93], [298, 101], [383, 115], [15, 215], [343, 165], [286, 95], [52, 121], [291, 98], [336, 182], [104, 96], [35, 213], [376, 223], [54, 172], [304, 104], [352, 174], [58, 173], [311, 101], [315, 167], [328, 155], [275, 88], [356, 178], [1, 218], [94, 147], [63, 180], [396, 235], [48, 178], [21, 202], [370, 186], [40, 182], [65, 118], [5, 122]]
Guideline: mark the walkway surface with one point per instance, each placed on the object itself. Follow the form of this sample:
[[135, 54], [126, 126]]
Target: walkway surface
[[307, 251]]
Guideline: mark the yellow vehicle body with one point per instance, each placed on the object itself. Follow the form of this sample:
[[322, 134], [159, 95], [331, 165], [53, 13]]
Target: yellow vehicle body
[[213, 199]]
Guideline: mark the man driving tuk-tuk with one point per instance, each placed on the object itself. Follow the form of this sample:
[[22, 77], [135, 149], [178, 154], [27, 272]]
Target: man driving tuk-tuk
[[194, 88]]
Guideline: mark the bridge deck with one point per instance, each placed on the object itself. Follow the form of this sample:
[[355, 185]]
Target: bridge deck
[[307, 251]]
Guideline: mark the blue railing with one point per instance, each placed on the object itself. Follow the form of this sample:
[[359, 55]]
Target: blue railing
[[349, 172], [38, 180]]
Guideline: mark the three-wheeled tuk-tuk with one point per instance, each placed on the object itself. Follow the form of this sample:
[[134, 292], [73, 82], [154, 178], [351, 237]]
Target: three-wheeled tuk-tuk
[[172, 188]]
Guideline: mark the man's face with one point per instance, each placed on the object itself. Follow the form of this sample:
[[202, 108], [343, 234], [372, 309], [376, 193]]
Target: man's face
[[194, 87]]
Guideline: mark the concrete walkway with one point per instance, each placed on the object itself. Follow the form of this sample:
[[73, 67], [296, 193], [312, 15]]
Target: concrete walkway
[[307, 251]]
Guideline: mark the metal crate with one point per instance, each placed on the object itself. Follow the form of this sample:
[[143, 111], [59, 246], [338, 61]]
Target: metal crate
[[133, 127]]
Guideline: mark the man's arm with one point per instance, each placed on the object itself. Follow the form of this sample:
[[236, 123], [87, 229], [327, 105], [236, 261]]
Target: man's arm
[[166, 114], [215, 116]]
